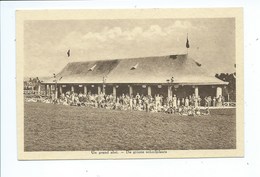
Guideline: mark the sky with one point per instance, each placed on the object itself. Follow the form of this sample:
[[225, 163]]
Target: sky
[[46, 42]]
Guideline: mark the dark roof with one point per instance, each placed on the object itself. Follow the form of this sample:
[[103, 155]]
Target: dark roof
[[138, 70]]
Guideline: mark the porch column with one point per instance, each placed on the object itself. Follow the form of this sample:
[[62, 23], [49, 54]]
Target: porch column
[[51, 89], [48, 89], [218, 92], [72, 88], [114, 90], [39, 89], [169, 91], [85, 89], [60, 89], [196, 91], [149, 90], [56, 92], [99, 89], [104, 89], [130, 90]]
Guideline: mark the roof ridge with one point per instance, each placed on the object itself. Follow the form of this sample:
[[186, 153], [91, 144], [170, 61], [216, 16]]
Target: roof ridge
[[127, 58]]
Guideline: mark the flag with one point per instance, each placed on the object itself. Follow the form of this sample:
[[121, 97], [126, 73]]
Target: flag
[[187, 43]]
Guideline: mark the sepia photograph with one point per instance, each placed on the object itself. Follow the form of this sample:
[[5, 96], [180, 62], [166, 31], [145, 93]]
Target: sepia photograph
[[129, 83]]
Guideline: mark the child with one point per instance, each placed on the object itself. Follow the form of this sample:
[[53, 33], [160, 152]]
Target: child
[[206, 111], [197, 111]]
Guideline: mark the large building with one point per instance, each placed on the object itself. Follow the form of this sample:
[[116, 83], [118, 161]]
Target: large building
[[165, 75]]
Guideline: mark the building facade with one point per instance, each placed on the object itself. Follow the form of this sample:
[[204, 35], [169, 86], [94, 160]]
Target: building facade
[[164, 75]]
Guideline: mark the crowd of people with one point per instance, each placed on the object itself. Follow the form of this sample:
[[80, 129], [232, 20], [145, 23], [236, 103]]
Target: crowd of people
[[190, 106]]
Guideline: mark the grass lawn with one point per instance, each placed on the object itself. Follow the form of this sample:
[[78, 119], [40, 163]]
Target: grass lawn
[[49, 127]]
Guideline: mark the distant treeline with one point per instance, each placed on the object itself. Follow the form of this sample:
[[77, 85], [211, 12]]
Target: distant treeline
[[32, 83], [230, 89]]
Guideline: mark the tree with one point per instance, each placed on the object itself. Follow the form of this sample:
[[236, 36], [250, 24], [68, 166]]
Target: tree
[[230, 89]]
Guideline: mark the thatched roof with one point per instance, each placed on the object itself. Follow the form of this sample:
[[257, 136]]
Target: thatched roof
[[159, 69]]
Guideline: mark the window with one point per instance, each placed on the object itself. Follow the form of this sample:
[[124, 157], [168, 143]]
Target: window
[[92, 68], [135, 66]]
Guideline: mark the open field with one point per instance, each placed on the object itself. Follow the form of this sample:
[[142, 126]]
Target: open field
[[49, 127]]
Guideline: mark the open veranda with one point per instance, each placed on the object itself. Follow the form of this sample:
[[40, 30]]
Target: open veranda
[[57, 127]]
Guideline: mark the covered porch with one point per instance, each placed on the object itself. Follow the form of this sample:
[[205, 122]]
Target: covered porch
[[166, 90]]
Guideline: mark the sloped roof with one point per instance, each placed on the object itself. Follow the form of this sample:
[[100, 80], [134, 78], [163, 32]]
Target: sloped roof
[[138, 70]]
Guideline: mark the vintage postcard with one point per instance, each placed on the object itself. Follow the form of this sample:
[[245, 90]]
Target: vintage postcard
[[121, 84]]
